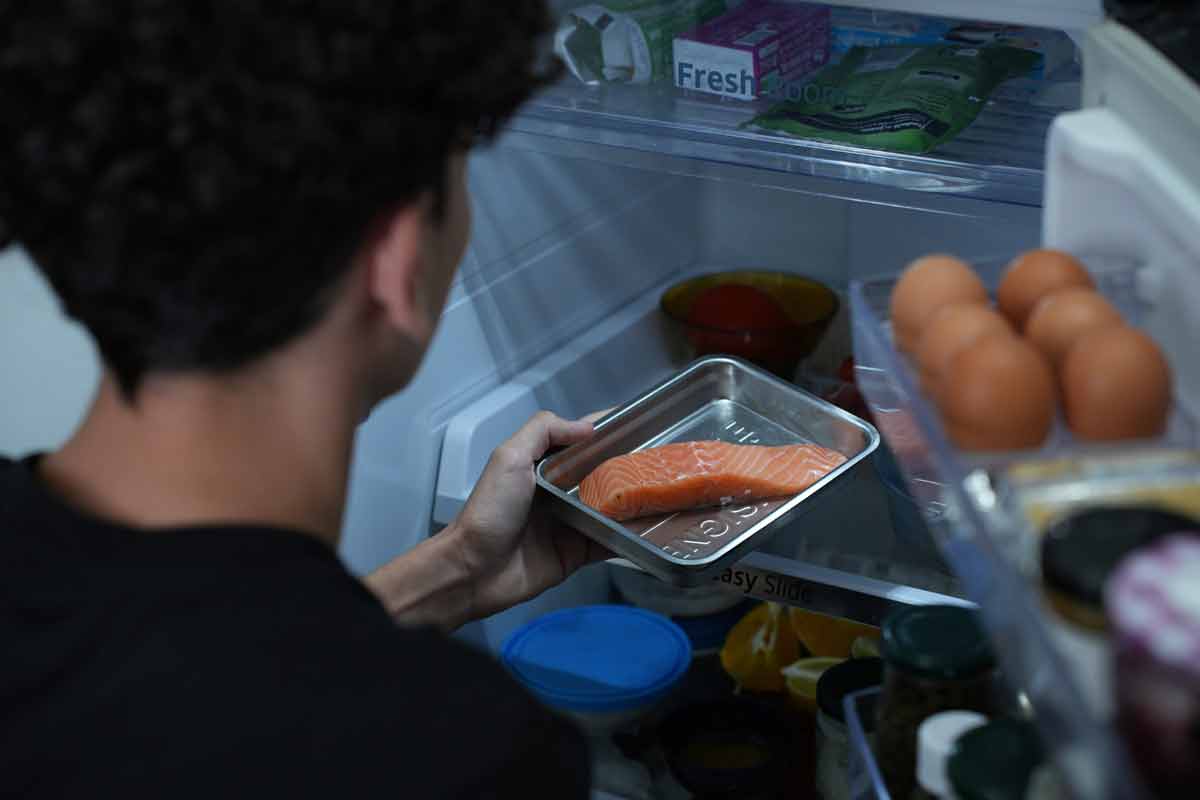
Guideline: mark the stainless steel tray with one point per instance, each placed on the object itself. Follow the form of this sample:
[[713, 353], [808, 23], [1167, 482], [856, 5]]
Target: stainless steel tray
[[713, 398]]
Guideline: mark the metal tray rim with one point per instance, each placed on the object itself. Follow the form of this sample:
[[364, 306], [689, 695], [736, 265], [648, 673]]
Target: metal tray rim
[[700, 564]]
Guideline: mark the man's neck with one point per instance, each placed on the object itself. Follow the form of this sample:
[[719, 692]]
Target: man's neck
[[268, 448]]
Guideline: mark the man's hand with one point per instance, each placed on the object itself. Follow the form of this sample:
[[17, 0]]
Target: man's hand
[[510, 550], [500, 550]]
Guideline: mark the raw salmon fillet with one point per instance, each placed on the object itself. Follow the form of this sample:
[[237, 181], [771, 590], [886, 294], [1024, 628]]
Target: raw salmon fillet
[[687, 475]]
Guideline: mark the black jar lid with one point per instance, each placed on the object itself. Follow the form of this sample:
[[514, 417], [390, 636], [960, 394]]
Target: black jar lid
[[937, 641], [1081, 550], [846, 678], [995, 761]]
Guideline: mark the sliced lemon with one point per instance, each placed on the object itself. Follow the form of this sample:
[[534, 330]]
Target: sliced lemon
[[864, 647], [758, 647], [800, 678], [824, 635]]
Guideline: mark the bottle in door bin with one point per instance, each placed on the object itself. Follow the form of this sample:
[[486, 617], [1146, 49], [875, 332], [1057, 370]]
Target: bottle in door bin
[[1153, 603], [996, 761], [1079, 553], [936, 658], [936, 740]]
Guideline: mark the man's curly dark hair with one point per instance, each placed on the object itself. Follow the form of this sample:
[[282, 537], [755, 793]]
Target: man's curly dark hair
[[193, 177]]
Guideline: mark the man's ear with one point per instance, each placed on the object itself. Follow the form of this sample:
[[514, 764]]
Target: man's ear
[[395, 269]]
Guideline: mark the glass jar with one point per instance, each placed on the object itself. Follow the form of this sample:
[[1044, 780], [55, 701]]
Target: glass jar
[[1153, 603], [936, 658], [995, 761], [936, 740], [1079, 552], [833, 738]]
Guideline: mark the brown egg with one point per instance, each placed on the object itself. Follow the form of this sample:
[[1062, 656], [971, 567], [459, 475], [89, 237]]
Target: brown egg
[[927, 285], [998, 394], [1116, 384], [951, 330], [1060, 319], [1034, 275]]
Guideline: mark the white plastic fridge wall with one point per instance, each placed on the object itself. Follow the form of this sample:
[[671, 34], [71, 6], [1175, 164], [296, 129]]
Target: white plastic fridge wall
[[49, 369], [1123, 178]]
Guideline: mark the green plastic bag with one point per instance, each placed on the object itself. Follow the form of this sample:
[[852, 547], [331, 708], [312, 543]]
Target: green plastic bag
[[909, 99]]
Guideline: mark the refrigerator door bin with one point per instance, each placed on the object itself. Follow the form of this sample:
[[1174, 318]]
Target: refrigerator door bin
[[991, 545]]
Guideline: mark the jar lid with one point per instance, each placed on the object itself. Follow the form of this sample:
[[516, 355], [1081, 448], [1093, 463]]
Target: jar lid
[[846, 678], [598, 658], [995, 761], [1080, 551], [1154, 601], [935, 741], [936, 641]]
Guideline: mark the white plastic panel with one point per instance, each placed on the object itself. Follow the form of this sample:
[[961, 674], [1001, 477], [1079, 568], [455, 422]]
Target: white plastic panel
[[49, 368], [1124, 178]]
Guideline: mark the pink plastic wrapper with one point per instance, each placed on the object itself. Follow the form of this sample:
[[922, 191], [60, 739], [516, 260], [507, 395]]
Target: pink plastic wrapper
[[755, 50]]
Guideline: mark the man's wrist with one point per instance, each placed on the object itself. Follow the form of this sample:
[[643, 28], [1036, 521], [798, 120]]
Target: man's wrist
[[428, 585]]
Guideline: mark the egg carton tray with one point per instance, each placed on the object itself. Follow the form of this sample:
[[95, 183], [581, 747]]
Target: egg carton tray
[[910, 424], [983, 537]]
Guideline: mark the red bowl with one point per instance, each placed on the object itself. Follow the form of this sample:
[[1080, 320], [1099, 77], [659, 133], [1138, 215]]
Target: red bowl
[[772, 319]]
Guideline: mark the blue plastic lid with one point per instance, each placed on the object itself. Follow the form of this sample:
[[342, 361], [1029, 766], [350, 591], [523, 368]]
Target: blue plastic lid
[[598, 658]]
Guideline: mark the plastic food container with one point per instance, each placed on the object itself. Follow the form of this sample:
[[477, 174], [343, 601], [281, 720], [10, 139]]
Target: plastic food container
[[1079, 553], [1153, 602], [771, 319], [605, 666], [833, 737], [937, 658]]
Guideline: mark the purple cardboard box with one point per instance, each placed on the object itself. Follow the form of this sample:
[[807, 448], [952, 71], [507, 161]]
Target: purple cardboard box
[[754, 50]]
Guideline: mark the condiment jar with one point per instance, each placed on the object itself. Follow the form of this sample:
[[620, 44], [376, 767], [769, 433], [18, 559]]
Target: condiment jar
[[1153, 602], [936, 658], [995, 761], [1079, 552], [833, 739], [936, 739]]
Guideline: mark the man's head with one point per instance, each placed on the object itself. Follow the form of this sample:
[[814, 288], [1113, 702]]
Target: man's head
[[197, 179]]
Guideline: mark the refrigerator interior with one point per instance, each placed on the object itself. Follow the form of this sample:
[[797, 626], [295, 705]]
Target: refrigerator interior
[[598, 198], [1118, 181], [556, 307]]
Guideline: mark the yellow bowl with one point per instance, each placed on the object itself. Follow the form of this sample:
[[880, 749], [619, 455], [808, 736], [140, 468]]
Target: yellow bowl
[[804, 309]]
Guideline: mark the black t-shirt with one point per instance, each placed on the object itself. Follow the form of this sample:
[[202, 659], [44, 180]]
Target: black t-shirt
[[214, 662]]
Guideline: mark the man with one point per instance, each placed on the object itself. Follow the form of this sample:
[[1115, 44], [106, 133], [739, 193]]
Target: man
[[257, 208]]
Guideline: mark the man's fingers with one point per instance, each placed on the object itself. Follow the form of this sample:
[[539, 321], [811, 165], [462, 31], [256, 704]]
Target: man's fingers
[[544, 431], [596, 416]]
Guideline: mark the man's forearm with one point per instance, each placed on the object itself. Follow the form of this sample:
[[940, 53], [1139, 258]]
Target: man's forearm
[[428, 585]]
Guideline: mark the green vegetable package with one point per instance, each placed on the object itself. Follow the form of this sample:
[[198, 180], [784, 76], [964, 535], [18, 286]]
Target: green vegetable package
[[909, 99]]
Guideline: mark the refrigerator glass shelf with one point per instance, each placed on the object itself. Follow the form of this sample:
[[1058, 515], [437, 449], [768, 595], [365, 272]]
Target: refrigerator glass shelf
[[999, 157]]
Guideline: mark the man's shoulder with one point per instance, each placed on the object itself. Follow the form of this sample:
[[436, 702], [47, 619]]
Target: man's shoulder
[[276, 666]]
